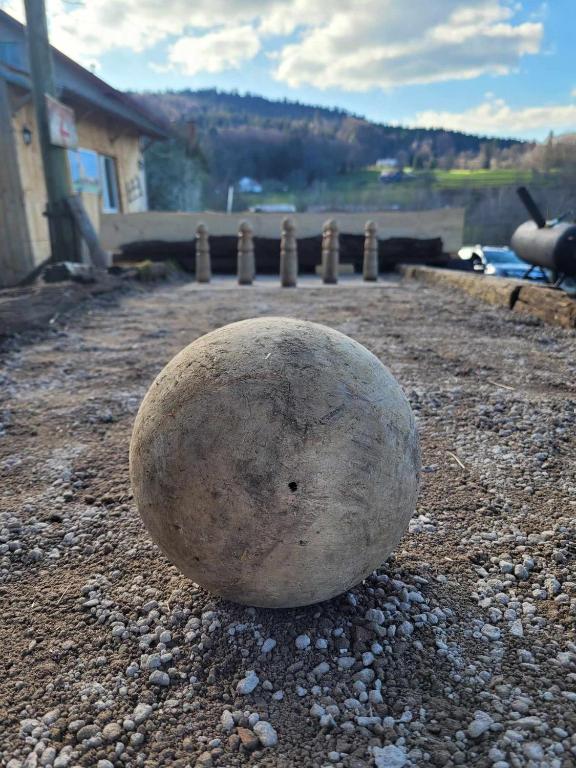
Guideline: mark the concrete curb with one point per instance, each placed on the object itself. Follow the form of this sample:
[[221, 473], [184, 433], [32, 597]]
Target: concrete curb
[[548, 304]]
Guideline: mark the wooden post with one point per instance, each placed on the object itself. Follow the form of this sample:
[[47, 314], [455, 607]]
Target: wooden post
[[98, 256], [370, 267], [54, 159], [330, 252], [203, 267], [288, 255], [246, 262], [16, 256], [324, 246]]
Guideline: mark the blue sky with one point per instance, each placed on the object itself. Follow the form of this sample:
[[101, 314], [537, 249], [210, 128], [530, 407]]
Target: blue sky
[[500, 67]]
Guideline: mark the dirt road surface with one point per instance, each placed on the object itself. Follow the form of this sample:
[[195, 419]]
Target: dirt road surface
[[460, 650]]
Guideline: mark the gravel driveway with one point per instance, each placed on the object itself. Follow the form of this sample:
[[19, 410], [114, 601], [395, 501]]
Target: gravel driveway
[[460, 650]]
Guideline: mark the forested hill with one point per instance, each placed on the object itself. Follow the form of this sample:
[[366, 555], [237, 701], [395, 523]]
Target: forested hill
[[249, 135], [234, 106]]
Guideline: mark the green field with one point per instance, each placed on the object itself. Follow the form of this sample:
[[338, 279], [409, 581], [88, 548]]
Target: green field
[[499, 177], [364, 188]]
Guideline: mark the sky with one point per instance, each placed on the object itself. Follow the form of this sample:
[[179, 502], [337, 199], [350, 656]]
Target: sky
[[491, 67]]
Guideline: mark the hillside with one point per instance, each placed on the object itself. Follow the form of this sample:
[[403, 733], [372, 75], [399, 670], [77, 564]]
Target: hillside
[[246, 135]]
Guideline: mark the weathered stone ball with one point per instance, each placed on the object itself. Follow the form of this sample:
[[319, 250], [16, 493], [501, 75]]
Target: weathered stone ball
[[275, 462]]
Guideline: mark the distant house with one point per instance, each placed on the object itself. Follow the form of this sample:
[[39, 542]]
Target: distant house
[[250, 186], [391, 177], [106, 167], [387, 162]]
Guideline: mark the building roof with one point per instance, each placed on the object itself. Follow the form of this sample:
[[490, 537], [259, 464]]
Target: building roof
[[75, 83]]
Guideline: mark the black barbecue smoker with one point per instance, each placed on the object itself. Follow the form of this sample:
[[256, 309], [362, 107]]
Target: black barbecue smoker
[[548, 245]]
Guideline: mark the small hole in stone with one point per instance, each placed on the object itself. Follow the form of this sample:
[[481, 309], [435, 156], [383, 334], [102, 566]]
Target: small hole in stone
[[293, 486]]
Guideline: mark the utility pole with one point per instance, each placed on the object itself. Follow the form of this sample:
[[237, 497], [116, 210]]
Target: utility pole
[[54, 159]]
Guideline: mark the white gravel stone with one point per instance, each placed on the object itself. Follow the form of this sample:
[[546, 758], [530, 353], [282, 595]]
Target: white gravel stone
[[248, 683], [268, 645], [390, 756], [302, 642], [533, 751], [112, 732], [368, 658], [491, 632], [141, 713], [321, 669], [481, 723], [377, 649], [368, 722], [227, 721], [516, 628], [159, 678], [266, 734]]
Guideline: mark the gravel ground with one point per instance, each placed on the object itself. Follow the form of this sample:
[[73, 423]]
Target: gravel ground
[[460, 650]]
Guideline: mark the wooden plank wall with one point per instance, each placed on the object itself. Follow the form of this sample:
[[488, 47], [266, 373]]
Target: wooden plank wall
[[16, 257], [32, 180], [95, 132]]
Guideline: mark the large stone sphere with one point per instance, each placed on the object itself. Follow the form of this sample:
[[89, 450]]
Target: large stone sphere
[[275, 462]]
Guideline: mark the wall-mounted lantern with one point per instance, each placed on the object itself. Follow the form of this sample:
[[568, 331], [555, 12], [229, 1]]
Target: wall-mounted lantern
[[26, 135]]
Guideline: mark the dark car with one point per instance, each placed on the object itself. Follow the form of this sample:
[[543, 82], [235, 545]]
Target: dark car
[[492, 260]]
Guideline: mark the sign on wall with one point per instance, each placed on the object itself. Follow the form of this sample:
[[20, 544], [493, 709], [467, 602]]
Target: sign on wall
[[62, 124]]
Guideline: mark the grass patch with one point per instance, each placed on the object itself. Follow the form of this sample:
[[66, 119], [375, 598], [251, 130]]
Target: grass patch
[[497, 177], [364, 189]]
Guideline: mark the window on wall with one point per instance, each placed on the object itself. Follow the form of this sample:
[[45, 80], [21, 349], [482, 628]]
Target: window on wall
[[84, 170], [109, 177], [95, 174]]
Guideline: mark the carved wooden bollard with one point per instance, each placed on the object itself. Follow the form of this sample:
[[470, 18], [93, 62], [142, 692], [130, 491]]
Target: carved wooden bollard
[[203, 267], [370, 266], [330, 252], [246, 262], [288, 255]]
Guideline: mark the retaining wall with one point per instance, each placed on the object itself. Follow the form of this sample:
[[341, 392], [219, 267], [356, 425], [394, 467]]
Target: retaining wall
[[118, 230], [548, 304]]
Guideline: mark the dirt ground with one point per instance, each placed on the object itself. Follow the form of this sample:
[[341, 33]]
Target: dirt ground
[[480, 668]]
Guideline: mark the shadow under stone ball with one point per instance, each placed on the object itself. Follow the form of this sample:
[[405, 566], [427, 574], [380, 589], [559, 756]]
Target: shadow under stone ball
[[275, 462]]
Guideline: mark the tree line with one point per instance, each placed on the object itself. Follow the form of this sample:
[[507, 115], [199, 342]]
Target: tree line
[[220, 137]]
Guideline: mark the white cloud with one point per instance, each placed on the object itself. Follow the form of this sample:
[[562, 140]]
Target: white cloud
[[385, 43], [350, 44], [496, 117], [93, 27], [14, 8], [216, 51]]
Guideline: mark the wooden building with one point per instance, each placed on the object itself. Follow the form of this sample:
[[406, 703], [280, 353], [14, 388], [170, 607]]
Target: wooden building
[[106, 168]]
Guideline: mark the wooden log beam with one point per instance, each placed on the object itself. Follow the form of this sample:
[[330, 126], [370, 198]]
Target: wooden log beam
[[98, 255], [551, 305], [498, 291]]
